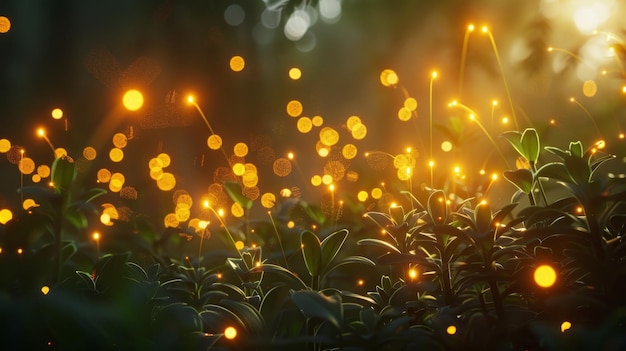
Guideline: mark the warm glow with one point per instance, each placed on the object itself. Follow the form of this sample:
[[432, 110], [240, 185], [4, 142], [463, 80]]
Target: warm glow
[[239, 245], [295, 73], [230, 333], [41, 132], [45, 290], [237, 63], [545, 276], [5, 216], [5, 24], [57, 113], [451, 330], [360, 282], [413, 273], [132, 100], [565, 326], [294, 108], [470, 28], [376, 193], [96, 236]]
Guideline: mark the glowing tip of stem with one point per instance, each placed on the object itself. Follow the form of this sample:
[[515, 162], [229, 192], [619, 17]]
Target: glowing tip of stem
[[431, 163], [206, 204], [96, 236], [190, 99], [494, 103], [470, 27], [290, 155], [550, 48], [434, 74], [494, 176], [41, 132], [485, 29], [572, 99]]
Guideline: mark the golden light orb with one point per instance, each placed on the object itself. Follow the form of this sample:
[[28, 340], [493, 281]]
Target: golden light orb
[[316, 180], [304, 125], [545, 276], [26, 165], [410, 103], [165, 159], [237, 63], [170, 221], [317, 121], [327, 179], [282, 167], [5, 24], [485, 29], [230, 333], [349, 151], [166, 182], [353, 121], [359, 131], [389, 78], [236, 210], [590, 88], [41, 132], [240, 149], [295, 73], [451, 330], [404, 114], [433, 74], [89, 153], [5, 145], [239, 169], [329, 136], [566, 325], [268, 200], [116, 154], [120, 140], [294, 108], [376, 193], [5, 216], [60, 152], [239, 245], [43, 171], [104, 175], [446, 146], [132, 100], [57, 113], [470, 27], [95, 236], [362, 195], [214, 142], [413, 273]]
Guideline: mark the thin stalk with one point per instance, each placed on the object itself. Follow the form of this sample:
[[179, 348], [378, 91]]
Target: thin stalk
[[506, 85], [282, 250]]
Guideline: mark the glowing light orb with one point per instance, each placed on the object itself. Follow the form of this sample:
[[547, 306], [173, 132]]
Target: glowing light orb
[[294, 108], [26, 165], [155, 163], [545, 276], [410, 103], [362, 195], [132, 100], [335, 169], [239, 169], [268, 200], [170, 221], [239, 245], [5, 145], [182, 212], [60, 152], [214, 142], [240, 149], [89, 153], [565, 326], [359, 131], [120, 140], [45, 290], [349, 151], [237, 63], [316, 180], [57, 113], [5, 216], [327, 179], [230, 333], [165, 159], [404, 173], [317, 121], [104, 175], [389, 78], [329, 136], [295, 73], [352, 122], [36, 178], [404, 114], [291, 224], [282, 167], [5, 24], [105, 219], [304, 125], [116, 154], [43, 171], [446, 146], [590, 88], [376, 193], [236, 210], [451, 330], [413, 273], [166, 182]]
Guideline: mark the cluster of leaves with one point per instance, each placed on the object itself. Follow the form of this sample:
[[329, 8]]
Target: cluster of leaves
[[442, 274]]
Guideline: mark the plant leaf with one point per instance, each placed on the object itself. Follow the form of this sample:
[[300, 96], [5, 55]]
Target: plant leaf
[[312, 252], [522, 178], [331, 245], [314, 304], [530, 144], [234, 190]]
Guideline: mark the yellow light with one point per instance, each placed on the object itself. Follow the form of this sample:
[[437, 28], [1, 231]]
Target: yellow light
[[268, 200], [132, 100], [190, 99], [41, 132], [291, 224], [376, 193], [621, 135], [304, 125], [5, 24], [316, 180], [360, 282], [505, 120], [295, 73], [446, 146], [5, 145], [470, 27], [389, 78], [294, 108], [237, 63], [230, 333], [431, 164], [494, 176], [327, 179], [57, 113], [451, 330], [5, 216], [290, 155], [239, 245], [545, 276], [96, 236], [362, 195], [45, 290], [413, 273], [485, 29], [317, 121], [28, 204], [565, 326], [214, 142], [20, 251], [433, 75]]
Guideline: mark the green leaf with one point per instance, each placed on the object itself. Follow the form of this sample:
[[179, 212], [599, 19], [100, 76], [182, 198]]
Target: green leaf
[[380, 243], [351, 260], [312, 252], [576, 149], [514, 138], [482, 215], [250, 316], [578, 169], [314, 304], [63, 174], [331, 245], [234, 190], [91, 194], [530, 144], [522, 178], [437, 207], [554, 171], [291, 278]]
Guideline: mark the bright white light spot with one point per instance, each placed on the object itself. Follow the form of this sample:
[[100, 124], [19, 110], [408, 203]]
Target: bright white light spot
[[588, 18], [234, 15], [297, 25], [330, 10], [549, 8]]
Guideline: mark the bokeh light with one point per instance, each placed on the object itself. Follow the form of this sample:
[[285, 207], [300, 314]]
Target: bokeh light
[[237, 63], [5, 145], [89, 153], [268, 200], [214, 142], [545, 276], [5, 25], [295, 73], [389, 78], [57, 113], [294, 108], [5, 216], [304, 125], [132, 100], [230, 333], [240, 149]]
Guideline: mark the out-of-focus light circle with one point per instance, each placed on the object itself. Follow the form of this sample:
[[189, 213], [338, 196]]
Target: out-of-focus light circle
[[5, 25], [237, 63], [589, 17], [389, 78], [317, 121], [545, 276], [295, 73], [294, 108], [28, 204], [240, 149], [268, 200], [89, 153], [36, 178], [410, 103], [362, 195], [376, 193], [327, 179], [170, 221], [57, 113], [297, 25], [166, 182], [132, 100], [230, 333], [5, 145], [359, 132], [234, 15], [451, 330], [304, 125], [329, 136], [446, 146], [116, 154], [349, 151], [316, 180], [239, 169], [236, 210], [165, 159], [565, 326], [104, 175], [590, 88], [43, 171], [60, 152], [120, 140], [404, 114], [26, 165], [352, 121], [5, 216], [214, 142], [282, 167], [330, 10]]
